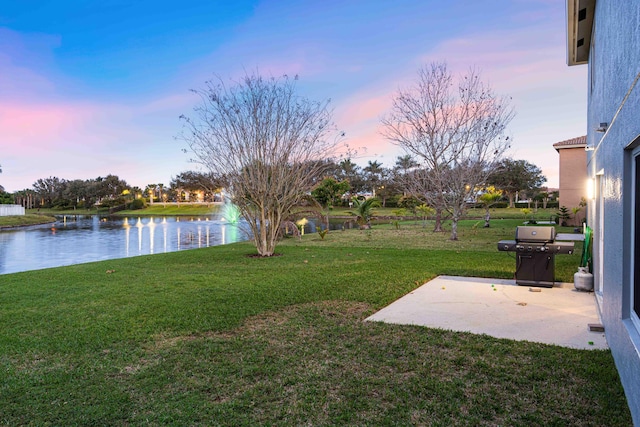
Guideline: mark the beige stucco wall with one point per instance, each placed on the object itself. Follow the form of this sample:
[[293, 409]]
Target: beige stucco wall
[[573, 177]]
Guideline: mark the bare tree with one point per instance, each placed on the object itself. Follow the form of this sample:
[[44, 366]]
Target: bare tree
[[457, 132], [420, 184], [266, 140]]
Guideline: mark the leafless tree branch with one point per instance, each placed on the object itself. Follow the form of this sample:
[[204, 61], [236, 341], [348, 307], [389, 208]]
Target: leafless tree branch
[[267, 141], [456, 131]]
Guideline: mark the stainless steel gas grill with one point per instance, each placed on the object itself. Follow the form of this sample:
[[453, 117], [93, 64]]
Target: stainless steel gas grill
[[535, 249]]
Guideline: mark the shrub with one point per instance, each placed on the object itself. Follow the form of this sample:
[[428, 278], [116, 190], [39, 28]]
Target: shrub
[[500, 205], [563, 215], [392, 202], [136, 204], [409, 203], [6, 198]]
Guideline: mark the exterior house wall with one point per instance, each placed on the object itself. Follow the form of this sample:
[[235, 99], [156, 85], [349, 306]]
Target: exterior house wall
[[614, 98], [573, 176]]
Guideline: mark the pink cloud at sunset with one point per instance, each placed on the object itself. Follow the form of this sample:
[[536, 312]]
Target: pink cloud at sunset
[[369, 145], [358, 110], [28, 127], [84, 140]]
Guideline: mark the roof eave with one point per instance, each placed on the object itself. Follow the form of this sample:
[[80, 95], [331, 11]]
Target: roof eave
[[579, 27], [563, 147]]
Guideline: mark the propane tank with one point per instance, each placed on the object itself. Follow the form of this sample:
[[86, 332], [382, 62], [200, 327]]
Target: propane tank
[[583, 280]]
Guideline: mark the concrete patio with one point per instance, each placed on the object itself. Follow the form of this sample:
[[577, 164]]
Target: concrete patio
[[500, 308]]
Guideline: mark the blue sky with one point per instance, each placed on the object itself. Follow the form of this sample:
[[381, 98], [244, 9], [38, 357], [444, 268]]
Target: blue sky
[[91, 88]]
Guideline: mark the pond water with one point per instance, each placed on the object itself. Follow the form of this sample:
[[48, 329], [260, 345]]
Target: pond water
[[76, 239]]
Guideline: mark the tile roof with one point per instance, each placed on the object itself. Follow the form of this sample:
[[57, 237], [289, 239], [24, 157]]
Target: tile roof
[[578, 142]]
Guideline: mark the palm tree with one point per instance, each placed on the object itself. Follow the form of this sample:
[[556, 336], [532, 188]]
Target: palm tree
[[425, 210], [351, 172], [404, 164], [364, 211], [374, 174], [348, 167], [488, 199]]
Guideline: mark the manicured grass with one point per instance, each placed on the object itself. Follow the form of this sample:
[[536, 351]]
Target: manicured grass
[[473, 213], [159, 209], [23, 220], [214, 337], [69, 211]]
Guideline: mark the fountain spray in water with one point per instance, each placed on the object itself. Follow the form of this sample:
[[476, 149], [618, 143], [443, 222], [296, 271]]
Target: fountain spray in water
[[230, 213]]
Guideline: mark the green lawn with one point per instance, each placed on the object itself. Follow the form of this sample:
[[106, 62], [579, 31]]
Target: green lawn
[[473, 213], [216, 337], [23, 220], [159, 209]]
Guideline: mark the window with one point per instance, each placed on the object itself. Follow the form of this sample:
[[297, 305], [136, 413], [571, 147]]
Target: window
[[631, 288], [592, 60], [635, 285]]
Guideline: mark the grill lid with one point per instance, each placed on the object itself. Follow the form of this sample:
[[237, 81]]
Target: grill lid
[[535, 234]]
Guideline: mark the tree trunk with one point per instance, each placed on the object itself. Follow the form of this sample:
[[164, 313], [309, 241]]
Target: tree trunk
[[511, 200], [458, 212], [454, 228], [437, 228], [262, 235], [487, 218]]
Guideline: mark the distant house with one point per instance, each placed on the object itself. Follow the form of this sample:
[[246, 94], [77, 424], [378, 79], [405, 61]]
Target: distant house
[[573, 171], [605, 35]]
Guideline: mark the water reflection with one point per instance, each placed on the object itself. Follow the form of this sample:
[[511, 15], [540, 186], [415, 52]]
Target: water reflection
[[78, 239]]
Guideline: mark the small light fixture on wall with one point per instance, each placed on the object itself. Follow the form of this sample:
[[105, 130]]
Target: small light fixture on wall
[[603, 127], [591, 185]]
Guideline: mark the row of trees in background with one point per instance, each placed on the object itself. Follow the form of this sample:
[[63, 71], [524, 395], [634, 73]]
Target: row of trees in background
[[5, 198], [58, 192], [335, 186], [397, 185], [110, 191]]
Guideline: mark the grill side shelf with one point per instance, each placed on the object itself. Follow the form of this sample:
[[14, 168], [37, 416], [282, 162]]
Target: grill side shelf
[[507, 245]]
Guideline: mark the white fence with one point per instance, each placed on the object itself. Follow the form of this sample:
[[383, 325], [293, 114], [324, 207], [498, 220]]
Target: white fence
[[6, 210]]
